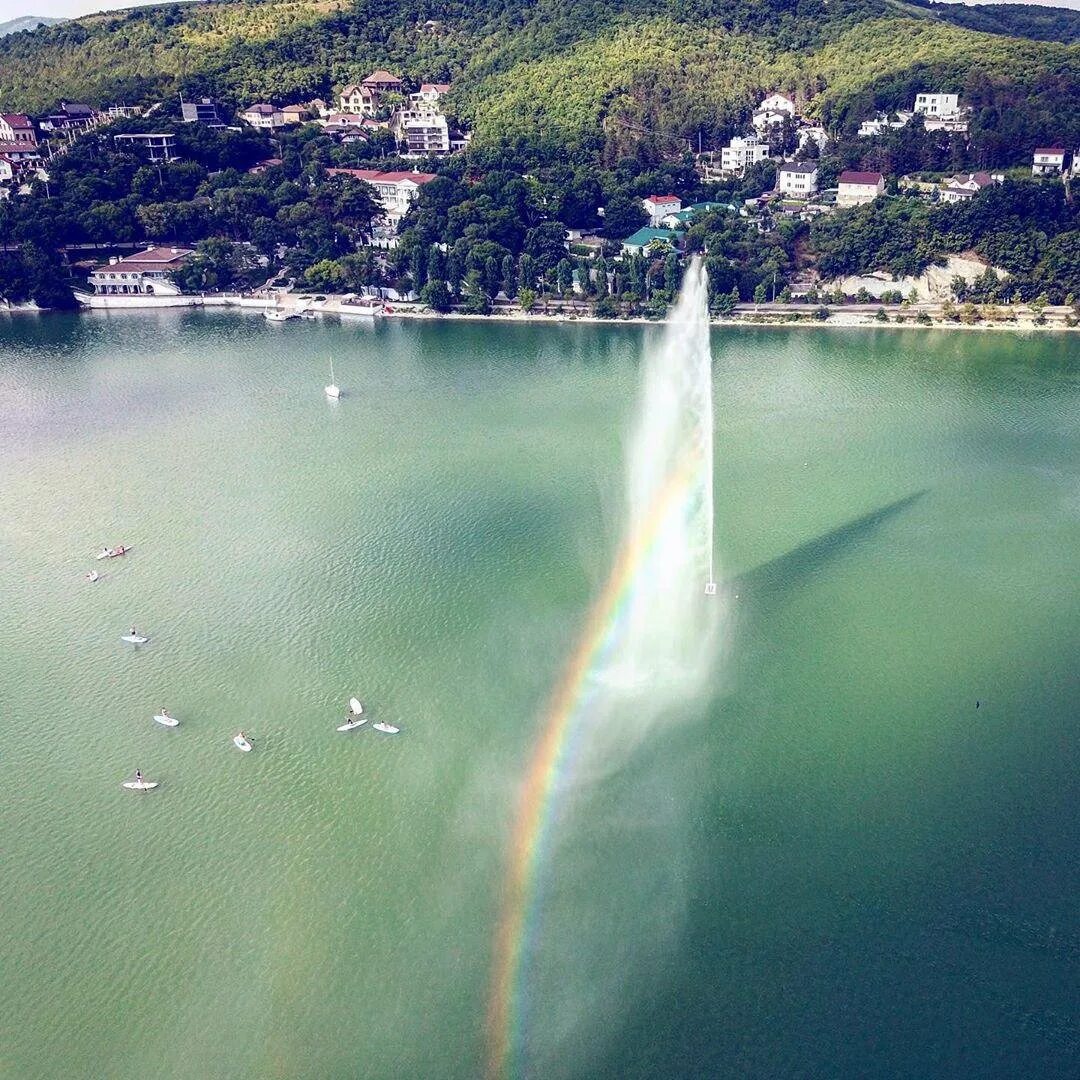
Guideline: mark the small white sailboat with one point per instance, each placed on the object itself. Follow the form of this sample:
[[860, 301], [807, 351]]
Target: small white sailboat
[[355, 707], [165, 720], [333, 391], [93, 576], [388, 729], [241, 743], [139, 784]]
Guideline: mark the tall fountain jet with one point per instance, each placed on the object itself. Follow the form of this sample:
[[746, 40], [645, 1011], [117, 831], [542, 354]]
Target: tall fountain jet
[[644, 662]]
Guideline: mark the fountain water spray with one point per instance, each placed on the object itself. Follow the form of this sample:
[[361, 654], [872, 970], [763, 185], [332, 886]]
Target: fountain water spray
[[644, 658]]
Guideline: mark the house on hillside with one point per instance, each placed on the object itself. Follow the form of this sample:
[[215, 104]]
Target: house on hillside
[[856, 188], [143, 273], [882, 122], [263, 116], [658, 206], [429, 94], [813, 134], [159, 146], [396, 191], [741, 153], [359, 100], [203, 111], [772, 111], [17, 128], [383, 82], [21, 155], [1048, 161], [798, 178], [421, 133], [965, 186], [295, 114], [646, 238], [70, 118], [934, 104]]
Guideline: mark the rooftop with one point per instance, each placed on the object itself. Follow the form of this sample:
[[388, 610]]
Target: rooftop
[[662, 200], [799, 167], [376, 176], [644, 237], [381, 76], [261, 108], [1049, 150], [155, 258], [17, 120], [852, 176]]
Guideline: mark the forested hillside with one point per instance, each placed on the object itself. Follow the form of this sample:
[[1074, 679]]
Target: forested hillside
[[602, 75]]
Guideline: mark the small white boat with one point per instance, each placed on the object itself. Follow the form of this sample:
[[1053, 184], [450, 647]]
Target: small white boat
[[140, 785], [277, 315], [104, 553], [389, 729], [135, 639], [93, 576], [361, 308], [241, 743], [333, 391], [165, 720], [112, 553], [350, 725], [355, 707]]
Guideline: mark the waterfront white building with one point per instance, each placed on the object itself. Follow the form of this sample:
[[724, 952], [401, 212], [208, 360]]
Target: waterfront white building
[[396, 190], [143, 273]]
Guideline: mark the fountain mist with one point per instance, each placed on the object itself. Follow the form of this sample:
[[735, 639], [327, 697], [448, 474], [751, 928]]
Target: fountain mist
[[644, 658]]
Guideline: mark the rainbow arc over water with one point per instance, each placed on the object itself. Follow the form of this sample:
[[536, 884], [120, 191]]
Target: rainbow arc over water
[[553, 759]]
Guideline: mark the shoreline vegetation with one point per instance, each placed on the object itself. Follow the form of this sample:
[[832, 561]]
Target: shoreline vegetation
[[1020, 318]]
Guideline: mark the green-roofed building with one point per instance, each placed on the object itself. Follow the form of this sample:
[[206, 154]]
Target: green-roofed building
[[643, 239], [682, 218]]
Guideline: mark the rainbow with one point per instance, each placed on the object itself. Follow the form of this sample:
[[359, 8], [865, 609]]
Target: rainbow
[[552, 760]]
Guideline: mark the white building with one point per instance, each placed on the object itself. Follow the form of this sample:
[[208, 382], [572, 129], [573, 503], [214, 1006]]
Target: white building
[[777, 103], [658, 206], [881, 122], [937, 104], [1048, 161], [798, 178], [741, 153], [429, 94], [420, 133], [145, 273], [958, 124], [263, 116], [856, 188], [396, 190]]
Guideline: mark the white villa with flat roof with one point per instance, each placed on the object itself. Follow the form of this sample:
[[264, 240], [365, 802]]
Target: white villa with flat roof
[[741, 153], [797, 178]]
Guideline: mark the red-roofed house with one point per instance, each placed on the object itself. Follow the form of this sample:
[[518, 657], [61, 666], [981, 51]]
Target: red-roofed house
[[396, 190], [143, 273], [659, 206], [17, 128], [1048, 161], [855, 188]]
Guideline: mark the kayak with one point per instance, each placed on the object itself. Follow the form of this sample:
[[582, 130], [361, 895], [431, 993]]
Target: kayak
[[112, 553], [350, 724], [241, 743], [355, 707], [388, 728], [140, 785], [166, 720], [135, 639]]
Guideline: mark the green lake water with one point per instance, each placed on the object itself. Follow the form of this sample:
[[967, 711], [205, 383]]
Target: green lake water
[[835, 867]]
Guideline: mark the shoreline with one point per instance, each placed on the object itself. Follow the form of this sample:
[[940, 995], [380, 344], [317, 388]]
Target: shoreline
[[1022, 321]]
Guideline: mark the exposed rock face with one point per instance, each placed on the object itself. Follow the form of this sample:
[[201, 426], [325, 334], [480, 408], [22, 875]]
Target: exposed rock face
[[934, 284]]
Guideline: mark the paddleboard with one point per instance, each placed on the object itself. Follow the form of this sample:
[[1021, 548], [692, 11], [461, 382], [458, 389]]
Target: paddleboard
[[135, 639], [103, 555], [140, 785], [166, 721], [388, 728], [355, 707], [241, 744], [350, 724]]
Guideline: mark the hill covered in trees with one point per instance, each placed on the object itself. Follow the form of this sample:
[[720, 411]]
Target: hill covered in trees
[[602, 75]]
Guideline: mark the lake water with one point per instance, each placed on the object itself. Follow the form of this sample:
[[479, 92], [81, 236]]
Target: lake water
[[835, 867]]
